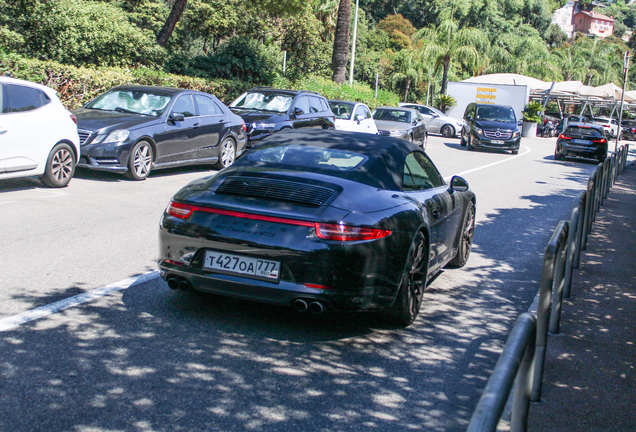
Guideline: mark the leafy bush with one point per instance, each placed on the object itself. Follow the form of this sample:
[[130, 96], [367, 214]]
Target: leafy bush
[[239, 58], [531, 112], [77, 85], [82, 33]]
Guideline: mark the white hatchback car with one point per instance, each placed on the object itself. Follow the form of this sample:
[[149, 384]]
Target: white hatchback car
[[353, 117], [38, 136]]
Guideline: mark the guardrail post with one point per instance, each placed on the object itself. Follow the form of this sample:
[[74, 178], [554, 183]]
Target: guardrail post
[[573, 244], [589, 209], [514, 366], [543, 309], [582, 204], [559, 277]]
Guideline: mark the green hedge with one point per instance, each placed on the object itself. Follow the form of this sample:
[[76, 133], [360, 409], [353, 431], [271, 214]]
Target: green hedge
[[78, 85]]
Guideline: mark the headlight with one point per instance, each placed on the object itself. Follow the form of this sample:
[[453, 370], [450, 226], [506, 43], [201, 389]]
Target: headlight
[[479, 131], [113, 137], [398, 132], [263, 125], [515, 134]]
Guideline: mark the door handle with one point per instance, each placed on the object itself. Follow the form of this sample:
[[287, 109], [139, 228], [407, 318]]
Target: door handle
[[222, 121], [196, 125], [2, 131]]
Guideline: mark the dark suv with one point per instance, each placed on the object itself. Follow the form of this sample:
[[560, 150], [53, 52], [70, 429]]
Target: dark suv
[[586, 140], [490, 126], [266, 111]]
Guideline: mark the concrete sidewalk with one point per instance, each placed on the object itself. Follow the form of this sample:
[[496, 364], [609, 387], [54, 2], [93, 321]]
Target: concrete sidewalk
[[589, 382]]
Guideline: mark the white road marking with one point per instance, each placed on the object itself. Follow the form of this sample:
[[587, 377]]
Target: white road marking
[[15, 321], [492, 164]]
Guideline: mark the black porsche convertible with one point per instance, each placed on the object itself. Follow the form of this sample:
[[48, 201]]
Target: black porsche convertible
[[317, 220]]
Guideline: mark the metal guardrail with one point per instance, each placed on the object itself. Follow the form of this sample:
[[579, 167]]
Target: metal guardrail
[[523, 357]]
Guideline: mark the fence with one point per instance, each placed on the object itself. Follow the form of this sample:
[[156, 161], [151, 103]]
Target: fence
[[523, 357]]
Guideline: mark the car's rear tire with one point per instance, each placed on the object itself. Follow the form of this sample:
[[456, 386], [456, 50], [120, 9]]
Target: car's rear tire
[[466, 238], [60, 166], [448, 131], [557, 155], [140, 161], [462, 141], [411, 291], [227, 154]]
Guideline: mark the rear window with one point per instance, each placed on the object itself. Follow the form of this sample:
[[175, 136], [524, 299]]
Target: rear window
[[308, 158], [576, 130]]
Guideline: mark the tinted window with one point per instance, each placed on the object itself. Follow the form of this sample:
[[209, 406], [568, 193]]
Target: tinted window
[[392, 115], [420, 173], [496, 113], [308, 157], [315, 106], [21, 98], [363, 111], [207, 106], [341, 110], [184, 105], [303, 104], [583, 131]]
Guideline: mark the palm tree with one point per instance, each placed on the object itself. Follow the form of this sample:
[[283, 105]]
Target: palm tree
[[408, 68], [448, 42], [340, 55]]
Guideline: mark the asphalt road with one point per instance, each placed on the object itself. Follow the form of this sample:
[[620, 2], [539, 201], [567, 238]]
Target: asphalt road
[[146, 358]]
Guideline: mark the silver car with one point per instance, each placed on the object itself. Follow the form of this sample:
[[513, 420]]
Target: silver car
[[436, 121]]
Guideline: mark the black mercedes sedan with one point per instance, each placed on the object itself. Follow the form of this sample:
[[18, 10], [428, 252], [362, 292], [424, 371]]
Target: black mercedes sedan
[[134, 129], [586, 140], [320, 220]]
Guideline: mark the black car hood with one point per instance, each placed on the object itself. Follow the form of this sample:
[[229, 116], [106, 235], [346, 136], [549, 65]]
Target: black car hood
[[485, 124], [93, 120], [258, 116]]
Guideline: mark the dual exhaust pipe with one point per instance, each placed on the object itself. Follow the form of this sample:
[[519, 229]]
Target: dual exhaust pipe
[[179, 283], [314, 306]]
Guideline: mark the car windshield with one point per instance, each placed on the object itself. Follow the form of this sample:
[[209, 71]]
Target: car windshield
[[400, 116], [132, 101], [583, 131], [265, 101], [307, 157], [496, 113], [341, 110]]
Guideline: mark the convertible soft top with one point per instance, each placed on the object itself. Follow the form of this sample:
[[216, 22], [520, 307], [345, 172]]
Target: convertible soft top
[[383, 167]]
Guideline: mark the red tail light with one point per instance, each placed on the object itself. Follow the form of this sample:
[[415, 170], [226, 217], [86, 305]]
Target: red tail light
[[564, 137], [601, 141], [340, 232], [74, 118], [344, 232], [178, 210]]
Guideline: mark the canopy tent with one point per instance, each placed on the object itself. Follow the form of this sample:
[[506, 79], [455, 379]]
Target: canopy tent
[[566, 92]]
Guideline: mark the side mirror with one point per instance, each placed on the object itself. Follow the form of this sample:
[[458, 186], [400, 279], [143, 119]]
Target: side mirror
[[297, 111], [469, 118], [519, 123], [359, 118], [177, 117], [458, 184]]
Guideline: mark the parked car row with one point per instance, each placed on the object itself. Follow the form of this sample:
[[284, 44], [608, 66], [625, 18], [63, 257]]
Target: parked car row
[[133, 130]]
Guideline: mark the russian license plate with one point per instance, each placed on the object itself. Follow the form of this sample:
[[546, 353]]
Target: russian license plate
[[241, 265], [580, 141], [497, 142]]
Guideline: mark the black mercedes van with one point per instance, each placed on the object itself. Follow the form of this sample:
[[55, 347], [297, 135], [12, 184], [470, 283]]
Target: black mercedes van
[[491, 126]]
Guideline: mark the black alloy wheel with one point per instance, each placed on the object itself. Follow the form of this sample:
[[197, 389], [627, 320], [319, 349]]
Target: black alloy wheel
[[465, 239], [448, 131], [462, 141], [227, 154], [469, 144], [557, 156], [140, 161], [409, 297], [60, 166]]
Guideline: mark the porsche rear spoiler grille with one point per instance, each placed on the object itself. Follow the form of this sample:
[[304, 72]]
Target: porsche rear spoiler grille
[[273, 189]]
